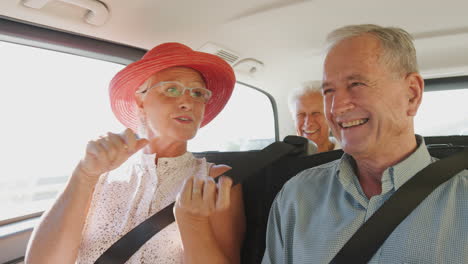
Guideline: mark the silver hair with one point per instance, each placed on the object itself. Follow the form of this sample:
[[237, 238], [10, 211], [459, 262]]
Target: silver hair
[[144, 86], [306, 88], [398, 48], [142, 128]]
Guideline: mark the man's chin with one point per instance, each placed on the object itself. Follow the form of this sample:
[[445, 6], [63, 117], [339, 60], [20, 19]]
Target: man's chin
[[313, 138], [354, 147], [319, 140]]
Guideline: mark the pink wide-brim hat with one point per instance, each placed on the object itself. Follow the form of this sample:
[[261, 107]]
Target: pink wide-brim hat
[[218, 75]]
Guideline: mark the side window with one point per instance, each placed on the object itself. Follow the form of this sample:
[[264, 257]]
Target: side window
[[246, 123], [443, 113], [53, 103]]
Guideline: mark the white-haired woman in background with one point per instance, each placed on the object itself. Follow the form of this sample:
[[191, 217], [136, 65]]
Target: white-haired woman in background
[[306, 107]]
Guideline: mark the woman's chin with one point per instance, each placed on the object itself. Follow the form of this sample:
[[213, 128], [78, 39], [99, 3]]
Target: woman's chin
[[189, 138], [184, 135]]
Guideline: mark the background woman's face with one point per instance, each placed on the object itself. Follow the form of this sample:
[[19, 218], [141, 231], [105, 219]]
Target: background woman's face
[[310, 118], [173, 118]]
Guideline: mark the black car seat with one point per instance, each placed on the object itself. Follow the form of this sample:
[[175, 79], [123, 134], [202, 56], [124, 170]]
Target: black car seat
[[260, 190]]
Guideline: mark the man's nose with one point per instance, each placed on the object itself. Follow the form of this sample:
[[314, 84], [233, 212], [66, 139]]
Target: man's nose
[[308, 120], [341, 102]]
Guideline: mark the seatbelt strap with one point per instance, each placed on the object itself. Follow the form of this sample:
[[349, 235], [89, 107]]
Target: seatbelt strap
[[127, 245], [372, 234]]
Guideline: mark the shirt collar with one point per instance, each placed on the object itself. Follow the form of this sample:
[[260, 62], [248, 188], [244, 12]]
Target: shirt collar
[[393, 177], [147, 159], [181, 160], [414, 163]]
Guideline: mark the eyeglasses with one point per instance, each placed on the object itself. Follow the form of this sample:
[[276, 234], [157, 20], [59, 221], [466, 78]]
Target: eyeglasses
[[177, 89]]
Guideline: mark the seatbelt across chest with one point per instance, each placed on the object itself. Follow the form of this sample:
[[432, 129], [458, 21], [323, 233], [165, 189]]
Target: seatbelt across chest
[[127, 245], [372, 234]]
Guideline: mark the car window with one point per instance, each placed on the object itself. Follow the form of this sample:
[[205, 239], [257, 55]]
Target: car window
[[443, 113], [54, 103], [246, 123]]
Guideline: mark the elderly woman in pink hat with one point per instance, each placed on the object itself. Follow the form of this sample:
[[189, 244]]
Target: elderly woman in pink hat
[[123, 178]]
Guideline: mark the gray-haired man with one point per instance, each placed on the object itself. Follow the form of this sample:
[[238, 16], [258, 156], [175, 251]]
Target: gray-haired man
[[306, 107], [372, 91]]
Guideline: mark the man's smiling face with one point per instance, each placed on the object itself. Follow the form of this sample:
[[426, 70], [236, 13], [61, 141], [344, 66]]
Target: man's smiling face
[[366, 102], [310, 118]]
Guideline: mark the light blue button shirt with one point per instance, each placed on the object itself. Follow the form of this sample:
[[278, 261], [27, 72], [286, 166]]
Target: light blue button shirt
[[318, 210]]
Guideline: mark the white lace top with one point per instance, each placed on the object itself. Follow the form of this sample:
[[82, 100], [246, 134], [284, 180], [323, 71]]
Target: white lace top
[[130, 194]]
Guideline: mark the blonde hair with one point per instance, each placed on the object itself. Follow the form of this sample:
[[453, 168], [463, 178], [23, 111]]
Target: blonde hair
[[306, 88], [397, 44]]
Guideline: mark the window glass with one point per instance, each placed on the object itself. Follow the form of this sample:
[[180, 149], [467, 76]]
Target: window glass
[[443, 113], [54, 103], [246, 123]]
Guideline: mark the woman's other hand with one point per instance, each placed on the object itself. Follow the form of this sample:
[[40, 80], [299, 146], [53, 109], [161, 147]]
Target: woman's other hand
[[202, 197], [109, 152], [211, 218]]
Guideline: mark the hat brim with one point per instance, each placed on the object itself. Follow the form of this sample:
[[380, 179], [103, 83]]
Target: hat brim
[[219, 78]]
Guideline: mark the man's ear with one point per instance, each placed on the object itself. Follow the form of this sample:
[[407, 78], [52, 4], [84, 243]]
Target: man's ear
[[415, 92]]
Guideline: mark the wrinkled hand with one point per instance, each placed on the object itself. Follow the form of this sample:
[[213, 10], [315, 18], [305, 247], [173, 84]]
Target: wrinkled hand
[[201, 197], [109, 152]]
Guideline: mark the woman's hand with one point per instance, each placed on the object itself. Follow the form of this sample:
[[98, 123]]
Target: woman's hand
[[201, 197], [211, 218], [108, 153]]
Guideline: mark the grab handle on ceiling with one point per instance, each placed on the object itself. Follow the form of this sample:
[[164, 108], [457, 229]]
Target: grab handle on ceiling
[[97, 14]]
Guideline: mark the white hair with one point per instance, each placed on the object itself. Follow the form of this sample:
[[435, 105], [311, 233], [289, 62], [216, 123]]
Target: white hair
[[397, 44], [144, 86], [142, 128], [306, 88]]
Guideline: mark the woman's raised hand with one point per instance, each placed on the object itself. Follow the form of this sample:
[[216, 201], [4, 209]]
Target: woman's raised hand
[[109, 152]]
